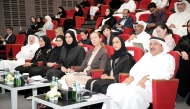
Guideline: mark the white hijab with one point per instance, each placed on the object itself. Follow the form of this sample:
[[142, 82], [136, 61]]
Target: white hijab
[[187, 8], [48, 22], [161, 41]]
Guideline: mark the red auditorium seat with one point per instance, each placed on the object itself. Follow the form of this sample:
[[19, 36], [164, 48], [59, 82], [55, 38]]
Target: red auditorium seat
[[87, 47], [125, 36], [79, 21], [55, 23], [99, 20], [176, 38], [144, 17], [50, 34]]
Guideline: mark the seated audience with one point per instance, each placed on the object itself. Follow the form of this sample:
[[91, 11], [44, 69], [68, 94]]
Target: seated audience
[[49, 60], [107, 34], [8, 39], [156, 17], [69, 23], [128, 4], [108, 19], [61, 13], [47, 26], [125, 21], [183, 49], [85, 3], [33, 22], [58, 31], [26, 53], [39, 24], [164, 32], [135, 92], [180, 18], [71, 55], [161, 4], [139, 36], [45, 48], [95, 59], [120, 61], [93, 9], [85, 37]]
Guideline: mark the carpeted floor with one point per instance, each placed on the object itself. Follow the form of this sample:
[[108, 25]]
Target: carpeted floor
[[5, 102]]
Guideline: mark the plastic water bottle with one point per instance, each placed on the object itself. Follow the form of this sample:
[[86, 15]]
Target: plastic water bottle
[[78, 93], [56, 82], [18, 79], [53, 80], [15, 78], [74, 91]]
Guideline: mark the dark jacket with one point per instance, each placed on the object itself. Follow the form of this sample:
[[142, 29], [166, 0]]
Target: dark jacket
[[105, 40], [75, 57], [160, 17], [99, 61], [109, 22], [39, 25], [87, 41], [124, 65], [50, 57], [128, 23], [96, 2], [11, 39], [39, 56]]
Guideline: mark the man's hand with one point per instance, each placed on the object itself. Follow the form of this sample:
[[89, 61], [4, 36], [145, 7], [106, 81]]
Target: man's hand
[[27, 64], [184, 55], [98, 5], [118, 25], [133, 36], [70, 70], [172, 26], [142, 82], [128, 80], [63, 69], [151, 25]]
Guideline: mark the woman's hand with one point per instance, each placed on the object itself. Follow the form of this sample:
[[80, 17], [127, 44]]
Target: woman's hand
[[184, 55], [27, 64]]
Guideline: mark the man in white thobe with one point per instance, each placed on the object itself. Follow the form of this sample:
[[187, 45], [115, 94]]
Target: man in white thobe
[[139, 36], [178, 19], [135, 92], [128, 4], [27, 53], [159, 3]]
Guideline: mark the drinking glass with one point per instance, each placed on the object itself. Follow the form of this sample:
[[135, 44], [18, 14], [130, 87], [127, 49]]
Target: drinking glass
[[25, 77]]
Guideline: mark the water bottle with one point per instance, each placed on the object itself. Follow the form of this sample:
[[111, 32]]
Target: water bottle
[[18, 79], [74, 91], [78, 93], [6, 72], [15, 78], [53, 80], [56, 81]]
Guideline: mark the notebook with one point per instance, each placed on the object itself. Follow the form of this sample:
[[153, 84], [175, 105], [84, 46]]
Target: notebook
[[139, 45]]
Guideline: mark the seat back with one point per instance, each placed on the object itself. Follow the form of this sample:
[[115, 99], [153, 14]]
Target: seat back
[[143, 4], [87, 47], [16, 49], [55, 23], [136, 52], [176, 38], [125, 36], [79, 37], [103, 9], [127, 30], [171, 6], [177, 58], [110, 50], [168, 13], [99, 20], [50, 34], [79, 21], [62, 21], [71, 13], [144, 17], [133, 17], [20, 39], [117, 18]]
